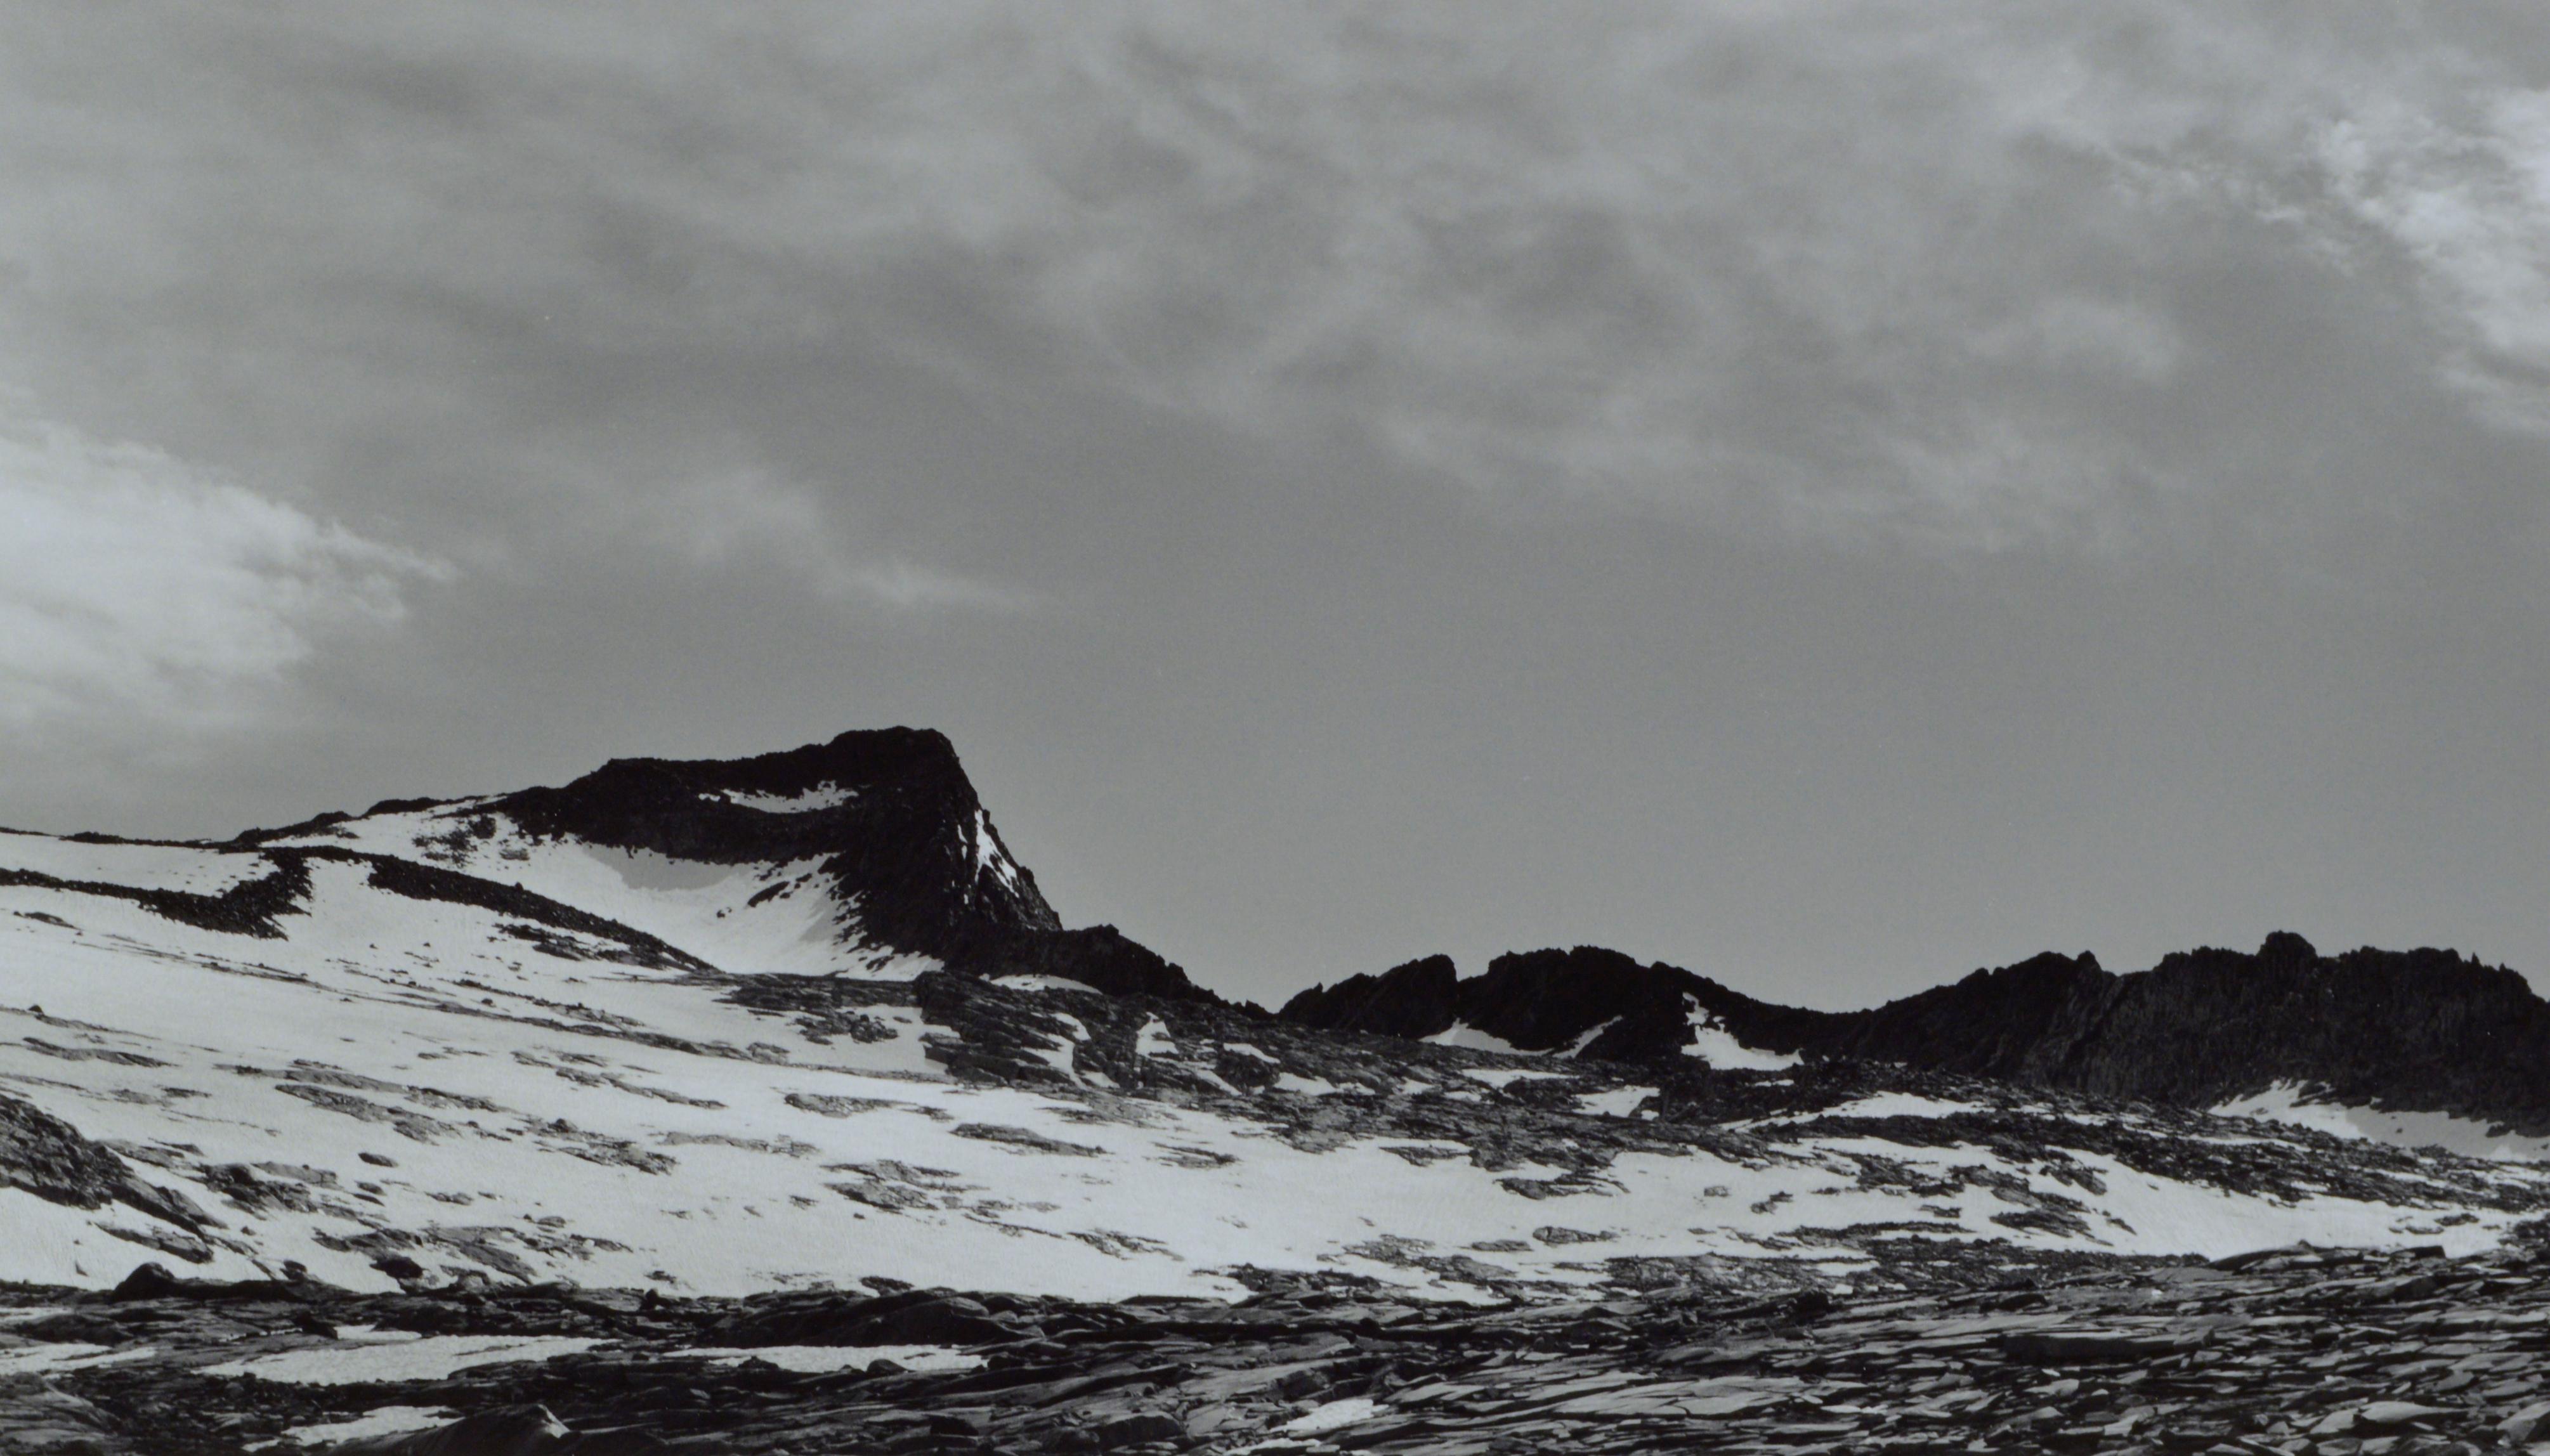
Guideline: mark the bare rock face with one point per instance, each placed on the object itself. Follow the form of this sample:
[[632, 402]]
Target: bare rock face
[[1417, 999], [43, 1156], [1593, 1002], [2419, 1031], [890, 813], [2423, 1030]]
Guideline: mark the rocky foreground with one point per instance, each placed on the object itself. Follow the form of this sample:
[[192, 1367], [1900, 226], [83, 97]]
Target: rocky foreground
[[2332, 1352]]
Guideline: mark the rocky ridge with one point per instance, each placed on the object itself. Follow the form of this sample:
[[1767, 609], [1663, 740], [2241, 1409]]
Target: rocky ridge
[[2420, 1030]]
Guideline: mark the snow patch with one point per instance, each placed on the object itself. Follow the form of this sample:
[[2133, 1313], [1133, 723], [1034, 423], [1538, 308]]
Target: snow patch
[[1038, 981], [2302, 1106], [388, 1421], [37, 1359], [1713, 1044], [1615, 1102], [425, 1357], [827, 1359], [1589, 1038], [1505, 1077], [1335, 1416], [1461, 1033], [821, 795]]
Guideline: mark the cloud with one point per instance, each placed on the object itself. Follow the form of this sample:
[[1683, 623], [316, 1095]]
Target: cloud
[[143, 604], [2467, 201], [751, 518], [1946, 273]]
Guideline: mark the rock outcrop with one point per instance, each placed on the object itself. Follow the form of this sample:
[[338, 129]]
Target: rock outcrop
[[2419, 1031]]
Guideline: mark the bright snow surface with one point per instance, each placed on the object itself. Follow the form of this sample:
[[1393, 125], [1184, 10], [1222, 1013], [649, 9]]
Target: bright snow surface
[[1713, 1044], [2286, 1101], [385, 1420], [395, 1076], [747, 919]]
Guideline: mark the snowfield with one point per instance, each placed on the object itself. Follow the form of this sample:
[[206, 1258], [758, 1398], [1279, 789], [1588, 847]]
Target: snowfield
[[2297, 1106], [391, 1086]]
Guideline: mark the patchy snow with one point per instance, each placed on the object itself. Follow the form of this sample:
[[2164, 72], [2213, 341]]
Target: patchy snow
[[1153, 1039], [1615, 1102], [1885, 1104], [1588, 1037], [1461, 1033], [529, 1115], [827, 1359], [387, 1420], [1713, 1044], [989, 855], [2302, 1106], [1333, 1416], [821, 795], [41, 1359], [1038, 981], [1502, 1078], [193, 869], [426, 1357], [747, 919]]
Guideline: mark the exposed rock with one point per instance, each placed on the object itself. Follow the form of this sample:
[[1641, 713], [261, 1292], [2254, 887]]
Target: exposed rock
[[2418, 1031], [2341, 1349]]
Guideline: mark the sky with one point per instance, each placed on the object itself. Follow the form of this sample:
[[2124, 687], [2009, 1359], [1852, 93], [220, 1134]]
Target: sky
[[1828, 495]]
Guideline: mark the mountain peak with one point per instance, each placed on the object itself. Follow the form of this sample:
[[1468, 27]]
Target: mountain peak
[[889, 813]]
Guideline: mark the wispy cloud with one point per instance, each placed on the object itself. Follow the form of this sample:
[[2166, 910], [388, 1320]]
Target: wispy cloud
[[143, 602], [753, 520]]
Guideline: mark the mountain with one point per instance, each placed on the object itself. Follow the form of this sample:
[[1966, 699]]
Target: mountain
[[783, 1022], [865, 853], [1587, 1001], [767, 1104], [2420, 1031]]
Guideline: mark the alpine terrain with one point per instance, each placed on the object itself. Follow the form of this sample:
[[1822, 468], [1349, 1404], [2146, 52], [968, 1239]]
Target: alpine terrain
[[766, 1105]]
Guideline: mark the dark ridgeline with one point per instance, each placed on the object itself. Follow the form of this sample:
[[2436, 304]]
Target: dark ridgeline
[[2420, 1030], [1547, 999], [911, 847]]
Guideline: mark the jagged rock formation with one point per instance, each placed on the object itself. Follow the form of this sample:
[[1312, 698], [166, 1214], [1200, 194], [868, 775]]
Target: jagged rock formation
[[1594, 1001], [2426, 1031], [2421, 1029]]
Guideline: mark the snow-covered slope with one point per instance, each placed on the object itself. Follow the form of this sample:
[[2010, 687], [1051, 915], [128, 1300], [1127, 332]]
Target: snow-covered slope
[[571, 1035], [391, 1085], [870, 853]]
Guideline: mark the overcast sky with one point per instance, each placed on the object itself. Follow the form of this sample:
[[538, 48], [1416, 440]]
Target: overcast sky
[[1828, 494]]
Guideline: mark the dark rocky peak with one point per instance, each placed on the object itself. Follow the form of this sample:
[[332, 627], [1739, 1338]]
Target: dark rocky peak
[[2015, 1022], [1415, 999], [2417, 1030], [1594, 1001], [890, 813], [1553, 1000]]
